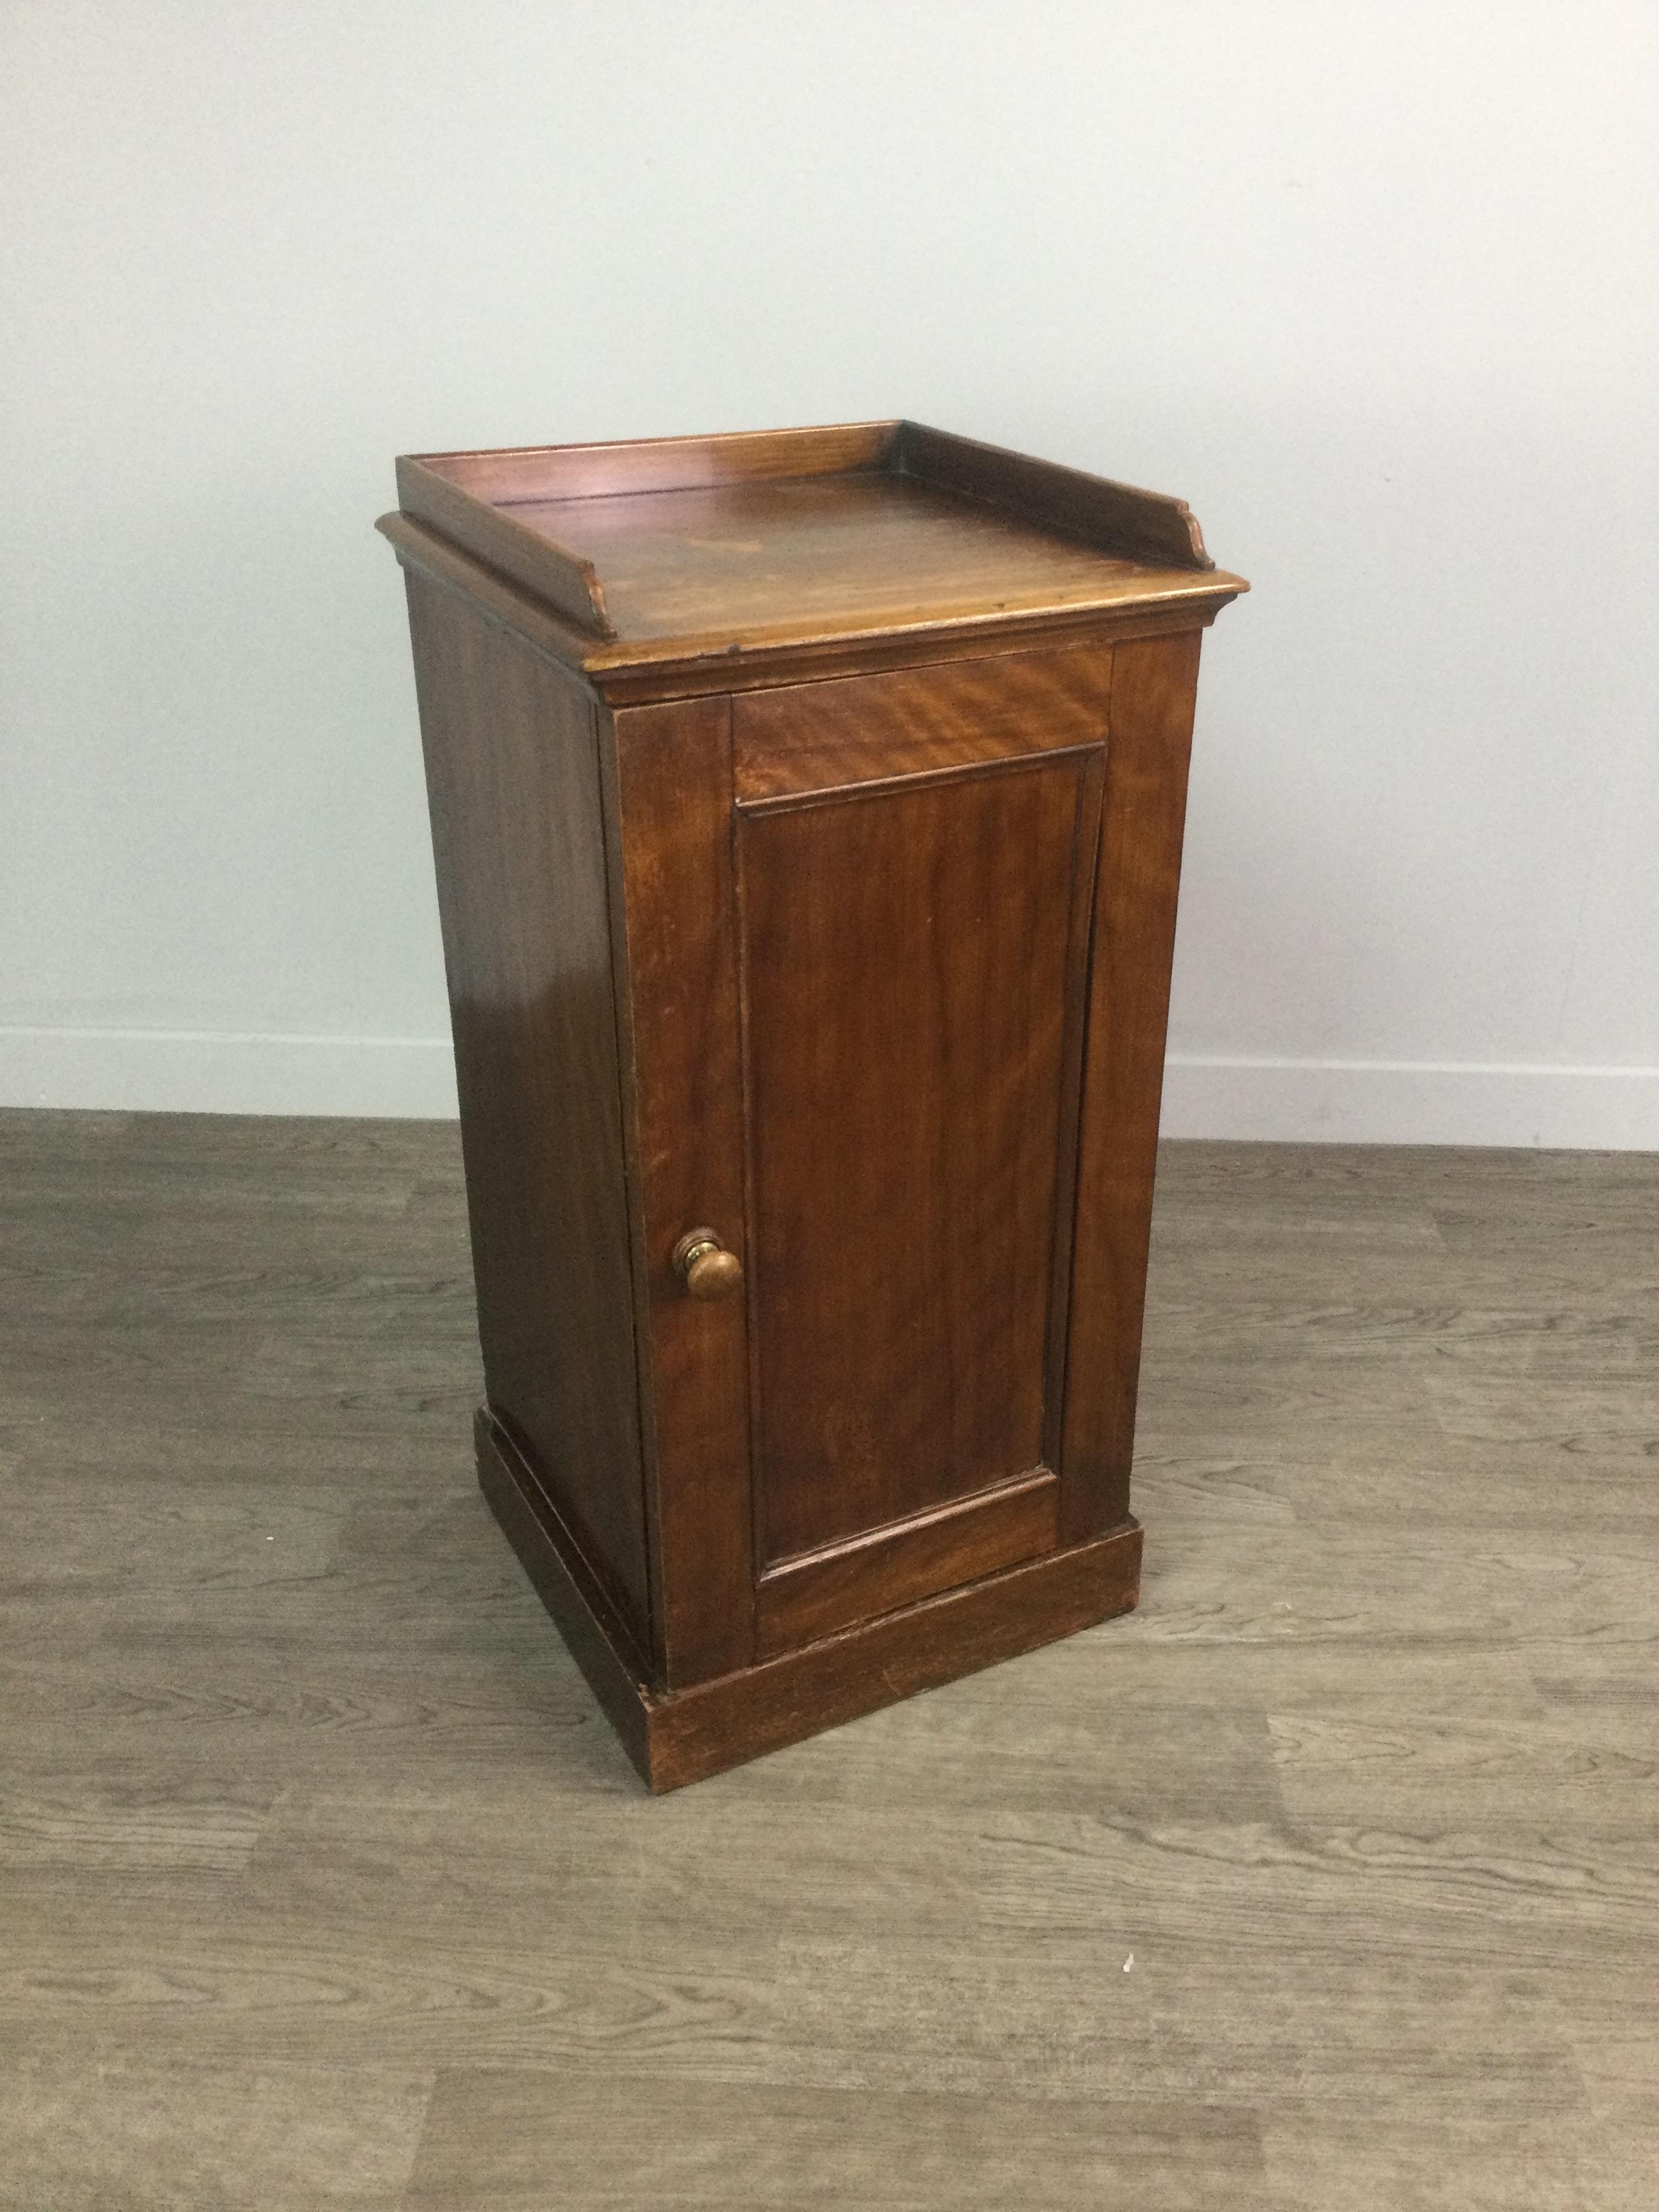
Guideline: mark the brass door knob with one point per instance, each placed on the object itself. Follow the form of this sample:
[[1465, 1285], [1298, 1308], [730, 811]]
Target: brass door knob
[[705, 1267]]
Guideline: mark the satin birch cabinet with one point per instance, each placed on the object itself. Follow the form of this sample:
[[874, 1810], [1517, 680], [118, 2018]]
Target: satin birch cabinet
[[807, 813]]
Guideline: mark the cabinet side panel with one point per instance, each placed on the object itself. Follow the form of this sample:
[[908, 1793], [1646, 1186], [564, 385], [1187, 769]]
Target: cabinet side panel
[[1153, 682], [518, 837]]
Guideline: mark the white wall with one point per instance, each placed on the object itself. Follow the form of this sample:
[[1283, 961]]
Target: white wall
[[1372, 285]]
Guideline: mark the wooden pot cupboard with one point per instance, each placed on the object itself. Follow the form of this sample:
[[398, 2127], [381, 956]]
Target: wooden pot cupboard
[[807, 813]]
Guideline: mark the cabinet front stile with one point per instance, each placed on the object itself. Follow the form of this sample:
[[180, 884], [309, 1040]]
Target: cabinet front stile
[[673, 797]]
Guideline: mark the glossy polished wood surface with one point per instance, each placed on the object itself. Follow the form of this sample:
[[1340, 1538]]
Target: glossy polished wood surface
[[914, 965], [616, 467], [904, 1557], [1154, 689], [798, 1685], [857, 1064], [823, 553], [324, 1883], [513, 780], [861, 982], [667, 553], [674, 867], [821, 737]]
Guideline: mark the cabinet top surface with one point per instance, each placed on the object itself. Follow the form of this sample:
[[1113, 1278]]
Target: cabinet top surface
[[679, 547]]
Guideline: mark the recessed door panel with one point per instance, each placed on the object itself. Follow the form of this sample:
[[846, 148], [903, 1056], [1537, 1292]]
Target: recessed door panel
[[912, 954]]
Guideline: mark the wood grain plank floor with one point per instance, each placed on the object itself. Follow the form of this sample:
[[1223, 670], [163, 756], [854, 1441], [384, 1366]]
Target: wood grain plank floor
[[1329, 1879]]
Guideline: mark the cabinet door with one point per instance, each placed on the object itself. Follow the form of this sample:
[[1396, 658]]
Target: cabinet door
[[859, 918]]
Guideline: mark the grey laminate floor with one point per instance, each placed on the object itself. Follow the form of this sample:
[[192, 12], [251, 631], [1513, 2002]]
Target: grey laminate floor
[[1330, 1879]]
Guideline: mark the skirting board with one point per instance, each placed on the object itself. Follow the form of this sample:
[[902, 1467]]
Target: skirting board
[[1274, 1100], [1367, 1102], [212, 1072]]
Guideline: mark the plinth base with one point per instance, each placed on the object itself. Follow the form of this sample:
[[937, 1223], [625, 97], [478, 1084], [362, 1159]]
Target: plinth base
[[675, 1737]]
